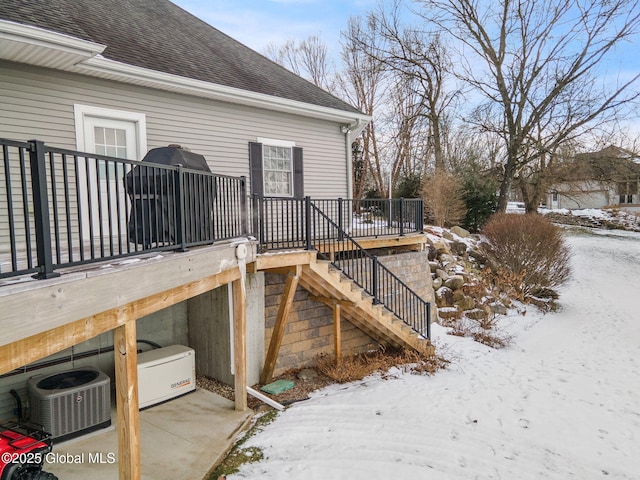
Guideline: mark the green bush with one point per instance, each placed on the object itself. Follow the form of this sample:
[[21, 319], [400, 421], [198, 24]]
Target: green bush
[[529, 248], [481, 198]]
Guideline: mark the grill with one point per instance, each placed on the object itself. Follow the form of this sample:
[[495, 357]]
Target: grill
[[159, 195]]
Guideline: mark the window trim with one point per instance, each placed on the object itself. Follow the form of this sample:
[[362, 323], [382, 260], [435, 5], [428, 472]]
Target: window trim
[[270, 142], [81, 112]]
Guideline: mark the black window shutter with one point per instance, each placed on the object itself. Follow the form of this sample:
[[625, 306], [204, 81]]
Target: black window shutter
[[255, 162], [298, 173]]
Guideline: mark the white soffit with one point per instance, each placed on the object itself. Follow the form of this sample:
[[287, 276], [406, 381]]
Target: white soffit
[[36, 46]]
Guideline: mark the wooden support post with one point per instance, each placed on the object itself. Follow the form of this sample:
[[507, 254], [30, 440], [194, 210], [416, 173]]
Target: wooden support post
[[337, 333], [126, 366], [281, 322], [240, 343]]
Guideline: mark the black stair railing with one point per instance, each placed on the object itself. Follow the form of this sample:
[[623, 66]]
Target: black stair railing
[[345, 254], [331, 226]]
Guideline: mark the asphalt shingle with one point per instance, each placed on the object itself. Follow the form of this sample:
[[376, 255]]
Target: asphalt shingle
[[158, 35]]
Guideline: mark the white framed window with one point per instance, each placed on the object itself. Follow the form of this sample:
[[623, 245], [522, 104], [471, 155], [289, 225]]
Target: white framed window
[[277, 167]]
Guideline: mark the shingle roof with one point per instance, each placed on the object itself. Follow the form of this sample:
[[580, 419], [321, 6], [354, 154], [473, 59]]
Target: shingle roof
[[609, 164], [159, 35]]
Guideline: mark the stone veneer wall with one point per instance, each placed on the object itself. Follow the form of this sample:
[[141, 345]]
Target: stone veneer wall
[[413, 269], [309, 330]]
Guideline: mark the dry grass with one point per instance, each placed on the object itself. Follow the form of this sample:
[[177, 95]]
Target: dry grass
[[484, 330], [357, 367]]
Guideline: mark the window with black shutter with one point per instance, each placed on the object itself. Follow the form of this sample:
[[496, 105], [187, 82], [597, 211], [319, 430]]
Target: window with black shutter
[[276, 169]]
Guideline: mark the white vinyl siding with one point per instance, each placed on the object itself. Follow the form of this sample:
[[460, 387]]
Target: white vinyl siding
[[38, 103]]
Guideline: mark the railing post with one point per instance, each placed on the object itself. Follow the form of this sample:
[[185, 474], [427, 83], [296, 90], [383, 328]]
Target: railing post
[[340, 225], [401, 216], [419, 227], [181, 233], [255, 217], [307, 222], [41, 210], [374, 280], [428, 320], [244, 215]]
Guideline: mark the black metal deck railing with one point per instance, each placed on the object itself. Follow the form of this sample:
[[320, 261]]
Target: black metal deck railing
[[280, 223], [366, 271], [331, 227], [60, 208]]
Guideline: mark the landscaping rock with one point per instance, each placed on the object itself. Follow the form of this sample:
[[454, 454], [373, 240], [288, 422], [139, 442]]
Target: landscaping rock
[[444, 297], [477, 255], [465, 303], [437, 283], [448, 235], [459, 248], [498, 308], [476, 314], [307, 374], [446, 258], [447, 313], [454, 282], [441, 247], [459, 231], [433, 266], [441, 274]]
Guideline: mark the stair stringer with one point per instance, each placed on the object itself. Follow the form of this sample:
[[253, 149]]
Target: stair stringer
[[321, 279]]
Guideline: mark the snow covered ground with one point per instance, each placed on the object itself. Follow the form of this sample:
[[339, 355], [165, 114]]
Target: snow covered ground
[[563, 401]]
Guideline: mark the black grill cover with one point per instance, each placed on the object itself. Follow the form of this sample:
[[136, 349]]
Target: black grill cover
[[174, 155], [152, 193]]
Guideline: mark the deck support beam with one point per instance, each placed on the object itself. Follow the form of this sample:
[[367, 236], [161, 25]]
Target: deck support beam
[[281, 322], [336, 305], [128, 422], [31, 349], [240, 343]]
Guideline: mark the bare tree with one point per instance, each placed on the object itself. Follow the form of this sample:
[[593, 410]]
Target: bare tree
[[535, 64], [307, 58], [360, 81], [419, 60]]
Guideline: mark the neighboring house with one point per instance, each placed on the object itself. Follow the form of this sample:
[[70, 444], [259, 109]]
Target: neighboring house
[[102, 83], [605, 179]]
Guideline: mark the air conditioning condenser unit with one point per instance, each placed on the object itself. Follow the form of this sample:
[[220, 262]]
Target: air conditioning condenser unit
[[165, 373], [70, 403]]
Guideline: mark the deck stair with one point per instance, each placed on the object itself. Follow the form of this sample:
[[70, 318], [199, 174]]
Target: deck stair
[[322, 279]]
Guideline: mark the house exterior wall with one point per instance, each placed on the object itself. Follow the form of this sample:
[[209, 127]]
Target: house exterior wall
[[581, 195], [210, 331], [38, 103]]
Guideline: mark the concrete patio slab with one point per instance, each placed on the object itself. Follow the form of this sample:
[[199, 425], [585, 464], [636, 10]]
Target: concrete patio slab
[[180, 439]]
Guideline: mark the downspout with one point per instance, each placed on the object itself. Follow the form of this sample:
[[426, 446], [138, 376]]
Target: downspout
[[347, 129]]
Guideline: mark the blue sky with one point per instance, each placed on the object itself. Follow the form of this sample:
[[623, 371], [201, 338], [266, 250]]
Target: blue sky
[[256, 23]]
